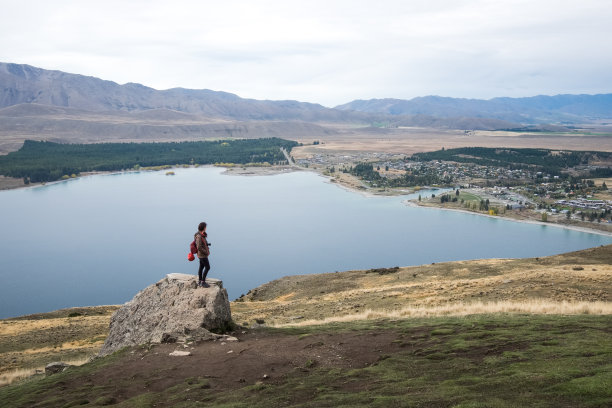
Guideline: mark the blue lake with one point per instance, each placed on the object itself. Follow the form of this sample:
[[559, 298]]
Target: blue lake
[[100, 239]]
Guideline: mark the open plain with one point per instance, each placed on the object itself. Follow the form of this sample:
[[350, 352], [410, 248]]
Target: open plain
[[406, 141]]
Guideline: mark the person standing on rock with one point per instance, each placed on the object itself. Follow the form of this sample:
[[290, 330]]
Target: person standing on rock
[[203, 253]]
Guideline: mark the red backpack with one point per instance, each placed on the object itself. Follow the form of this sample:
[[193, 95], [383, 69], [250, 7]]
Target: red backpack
[[193, 249]]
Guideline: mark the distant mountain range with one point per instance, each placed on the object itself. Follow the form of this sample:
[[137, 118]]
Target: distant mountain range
[[27, 84], [24, 84], [566, 109]]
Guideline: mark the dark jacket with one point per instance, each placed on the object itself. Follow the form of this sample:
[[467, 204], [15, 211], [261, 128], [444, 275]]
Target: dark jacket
[[202, 245]]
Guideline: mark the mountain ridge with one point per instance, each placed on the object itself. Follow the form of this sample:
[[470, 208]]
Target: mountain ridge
[[22, 83], [531, 110]]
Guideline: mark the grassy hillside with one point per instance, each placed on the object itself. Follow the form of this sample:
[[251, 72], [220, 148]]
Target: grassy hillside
[[494, 333], [478, 361], [30, 342], [576, 282]]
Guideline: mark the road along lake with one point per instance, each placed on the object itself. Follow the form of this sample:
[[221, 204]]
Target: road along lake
[[100, 239]]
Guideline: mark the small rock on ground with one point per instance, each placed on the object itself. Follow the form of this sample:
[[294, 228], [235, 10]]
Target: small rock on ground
[[179, 353]]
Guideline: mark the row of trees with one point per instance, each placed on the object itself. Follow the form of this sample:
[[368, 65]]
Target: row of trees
[[366, 171], [47, 161], [446, 198], [411, 178]]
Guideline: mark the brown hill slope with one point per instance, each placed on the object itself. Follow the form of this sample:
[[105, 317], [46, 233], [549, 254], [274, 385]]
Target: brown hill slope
[[69, 125], [577, 282], [573, 283]]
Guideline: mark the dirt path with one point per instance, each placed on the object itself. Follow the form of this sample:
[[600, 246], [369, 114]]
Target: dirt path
[[259, 356], [289, 160]]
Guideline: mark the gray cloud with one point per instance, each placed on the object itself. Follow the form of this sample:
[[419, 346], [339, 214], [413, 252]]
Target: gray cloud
[[328, 52]]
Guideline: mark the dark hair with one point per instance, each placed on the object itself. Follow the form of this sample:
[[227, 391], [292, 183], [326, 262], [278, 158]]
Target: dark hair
[[201, 226]]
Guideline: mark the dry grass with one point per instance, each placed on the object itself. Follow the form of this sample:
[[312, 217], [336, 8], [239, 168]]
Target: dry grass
[[12, 376], [607, 194], [23, 327], [573, 283], [28, 343], [534, 306], [10, 182], [412, 140]]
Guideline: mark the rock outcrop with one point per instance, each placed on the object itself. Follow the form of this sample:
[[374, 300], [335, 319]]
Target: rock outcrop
[[173, 309], [56, 367]]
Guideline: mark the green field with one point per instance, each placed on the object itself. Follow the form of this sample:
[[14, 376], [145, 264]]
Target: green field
[[468, 196]]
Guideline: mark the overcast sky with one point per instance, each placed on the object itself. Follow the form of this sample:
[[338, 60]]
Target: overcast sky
[[328, 52]]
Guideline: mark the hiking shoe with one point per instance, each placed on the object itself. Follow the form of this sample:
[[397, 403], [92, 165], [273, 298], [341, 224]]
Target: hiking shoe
[[205, 285]]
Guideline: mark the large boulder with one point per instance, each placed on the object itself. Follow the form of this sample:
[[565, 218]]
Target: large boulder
[[173, 309]]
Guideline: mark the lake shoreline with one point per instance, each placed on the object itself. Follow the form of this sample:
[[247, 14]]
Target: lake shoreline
[[411, 203], [283, 210], [9, 183], [370, 192], [275, 170]]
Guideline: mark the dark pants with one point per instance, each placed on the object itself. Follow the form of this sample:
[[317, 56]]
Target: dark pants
[[205, 265]]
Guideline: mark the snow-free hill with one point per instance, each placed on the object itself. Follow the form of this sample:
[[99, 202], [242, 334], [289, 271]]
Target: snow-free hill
[[28, 84], [538, 354], [573, 283], [71, 125], [530, 110]]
